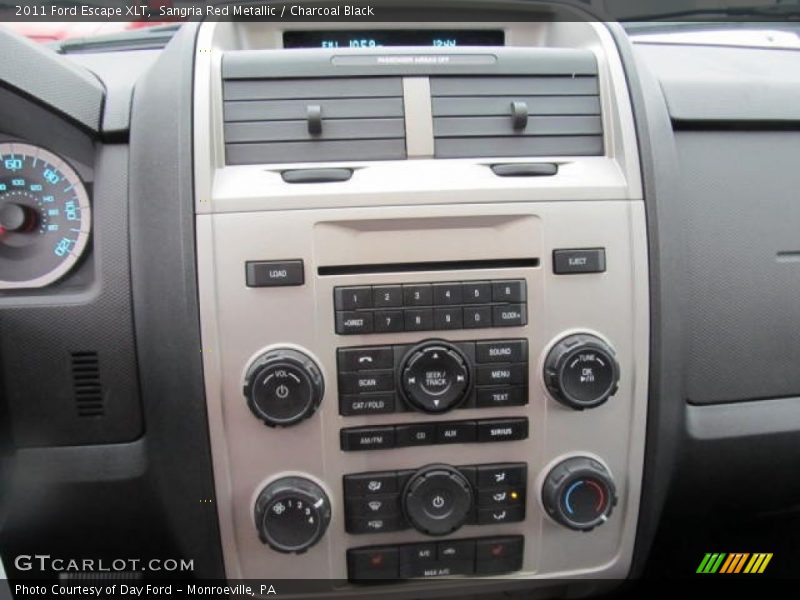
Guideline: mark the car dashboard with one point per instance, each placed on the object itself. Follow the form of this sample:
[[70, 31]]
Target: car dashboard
[[409, 308]]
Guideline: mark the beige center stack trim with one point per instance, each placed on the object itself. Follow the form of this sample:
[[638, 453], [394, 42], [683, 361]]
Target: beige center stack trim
[[416, 211]]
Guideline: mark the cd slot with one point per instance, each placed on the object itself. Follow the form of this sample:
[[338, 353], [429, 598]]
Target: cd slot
[[440, 265]]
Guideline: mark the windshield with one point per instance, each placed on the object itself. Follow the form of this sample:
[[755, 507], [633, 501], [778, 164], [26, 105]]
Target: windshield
[[699, 10], [40, 21]]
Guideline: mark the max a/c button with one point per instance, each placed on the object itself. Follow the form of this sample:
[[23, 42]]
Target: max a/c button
[[274, 273]]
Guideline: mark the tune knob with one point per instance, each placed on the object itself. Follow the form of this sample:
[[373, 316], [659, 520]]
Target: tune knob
[[437, 500], [581, 371], [292, 514], [283, 387], [435, 377], [579, 493]]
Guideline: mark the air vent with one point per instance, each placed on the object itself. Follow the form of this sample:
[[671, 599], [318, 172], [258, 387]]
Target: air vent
[[556, 115], [313, 120], [86, 384]]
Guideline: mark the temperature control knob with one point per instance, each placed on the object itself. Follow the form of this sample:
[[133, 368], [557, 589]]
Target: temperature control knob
[[579, 493], [435, 377], [283, 387], [437, 500], [292, 514], [581, 371]]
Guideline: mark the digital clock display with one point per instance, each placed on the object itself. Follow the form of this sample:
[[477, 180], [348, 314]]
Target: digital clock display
[[432, 38]]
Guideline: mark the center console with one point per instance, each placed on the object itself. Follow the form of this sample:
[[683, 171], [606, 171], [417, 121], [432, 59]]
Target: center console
[[423, 297]]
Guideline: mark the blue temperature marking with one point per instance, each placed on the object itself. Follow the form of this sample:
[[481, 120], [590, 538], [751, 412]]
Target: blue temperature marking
[[568, 494], [68, 188]]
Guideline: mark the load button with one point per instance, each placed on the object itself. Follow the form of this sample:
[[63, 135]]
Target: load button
[[274, 273]]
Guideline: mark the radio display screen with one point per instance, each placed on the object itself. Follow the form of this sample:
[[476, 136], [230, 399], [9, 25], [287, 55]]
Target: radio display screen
[[432, 38]]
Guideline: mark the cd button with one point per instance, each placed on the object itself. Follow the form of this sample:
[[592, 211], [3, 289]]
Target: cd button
[[421, 434]]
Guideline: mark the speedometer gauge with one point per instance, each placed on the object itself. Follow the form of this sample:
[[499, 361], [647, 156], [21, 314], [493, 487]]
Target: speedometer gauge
[[45, 218]]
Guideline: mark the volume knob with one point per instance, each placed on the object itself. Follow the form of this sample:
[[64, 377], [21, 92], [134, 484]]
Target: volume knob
[[283, 387]]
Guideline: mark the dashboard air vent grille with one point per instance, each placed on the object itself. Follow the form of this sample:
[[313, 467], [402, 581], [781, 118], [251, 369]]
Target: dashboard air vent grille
[[86, 384], [313, 120], [555, 115]]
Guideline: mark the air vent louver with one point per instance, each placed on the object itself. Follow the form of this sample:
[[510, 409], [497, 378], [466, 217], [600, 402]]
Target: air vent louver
[[313, 120], [503, 116], [86, 384]]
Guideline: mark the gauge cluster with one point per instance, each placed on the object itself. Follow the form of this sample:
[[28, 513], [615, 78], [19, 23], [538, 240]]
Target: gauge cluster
[[45, 216]]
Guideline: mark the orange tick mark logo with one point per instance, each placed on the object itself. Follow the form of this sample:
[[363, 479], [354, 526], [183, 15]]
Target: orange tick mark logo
[[736, 562]]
